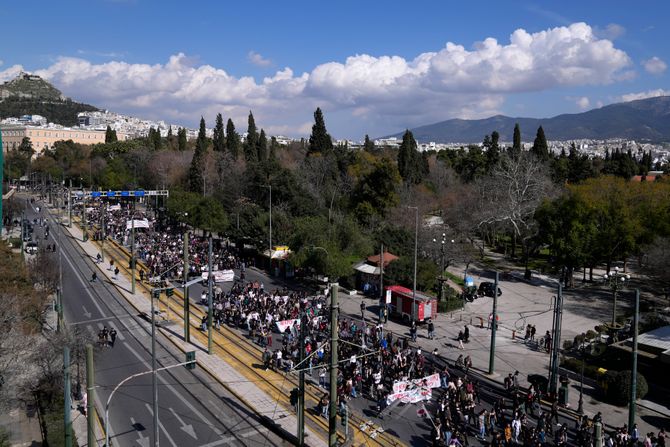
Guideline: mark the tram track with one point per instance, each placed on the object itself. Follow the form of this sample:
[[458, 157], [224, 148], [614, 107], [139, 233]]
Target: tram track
[[232, 345]]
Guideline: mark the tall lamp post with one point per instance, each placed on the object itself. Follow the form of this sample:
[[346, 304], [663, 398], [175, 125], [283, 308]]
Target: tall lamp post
[[615, 280], [416, 248], [441, 278], [580, 408]]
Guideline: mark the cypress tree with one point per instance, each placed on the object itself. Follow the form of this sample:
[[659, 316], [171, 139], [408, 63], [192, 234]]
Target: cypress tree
[[540, 147], [110, 135], [262, 146], [516, 140], [181, 139], [155, 139], [232, 139], [170, 138], [319, 140], [197, 171], [219, 140], [251, 145], [410, 163], [273, 149], [368, 145]]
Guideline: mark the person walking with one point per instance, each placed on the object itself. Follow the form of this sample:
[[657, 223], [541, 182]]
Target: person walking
[[112, 337], [116, 273], [362, 310], [412, 331], [431, 329]]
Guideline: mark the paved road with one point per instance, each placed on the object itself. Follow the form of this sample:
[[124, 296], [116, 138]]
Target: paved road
[[193, 409]]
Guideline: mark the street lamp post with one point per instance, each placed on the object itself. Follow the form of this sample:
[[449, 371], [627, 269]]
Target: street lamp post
[[416, 247], [441, 279], [580, 408], [615, 279]]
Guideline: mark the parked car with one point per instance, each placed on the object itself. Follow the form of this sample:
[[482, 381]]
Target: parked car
[[487, 288]]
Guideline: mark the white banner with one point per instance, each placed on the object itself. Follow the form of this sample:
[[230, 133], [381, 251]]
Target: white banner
[[139, 223], [432, 381], [116, 207], [220, 276], [411, 396], [285, 324]]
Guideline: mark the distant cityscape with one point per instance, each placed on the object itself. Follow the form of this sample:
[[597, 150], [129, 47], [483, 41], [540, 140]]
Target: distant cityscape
[[92, 127]]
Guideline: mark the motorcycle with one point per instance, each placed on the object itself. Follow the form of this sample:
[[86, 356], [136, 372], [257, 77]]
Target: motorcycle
[[470, 294]]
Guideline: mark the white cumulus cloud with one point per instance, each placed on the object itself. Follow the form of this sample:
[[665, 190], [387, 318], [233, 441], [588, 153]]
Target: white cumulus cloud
[[362, 94], [655, 65], [583, 102], [258, 60], [644, 95]]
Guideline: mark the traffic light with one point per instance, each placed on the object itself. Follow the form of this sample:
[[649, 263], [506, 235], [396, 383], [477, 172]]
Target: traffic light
[[190, 357], [169, 292]]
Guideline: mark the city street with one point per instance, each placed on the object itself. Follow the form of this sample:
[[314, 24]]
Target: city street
[[193, 409]]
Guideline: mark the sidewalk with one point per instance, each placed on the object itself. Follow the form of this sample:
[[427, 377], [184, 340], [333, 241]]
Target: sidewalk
[[263, 404]]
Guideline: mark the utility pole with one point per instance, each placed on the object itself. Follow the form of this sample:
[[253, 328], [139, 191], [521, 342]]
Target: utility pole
[[68, 397], [556, 342], [102, 232], [2, 170], [494, 327], [69, 205], [301, 383], [332, 411], [210, 279], [633, 373], [132, 253], [416, 247], [154, 377], [382, 298], [270, 186], [90, 396], [187, 303]]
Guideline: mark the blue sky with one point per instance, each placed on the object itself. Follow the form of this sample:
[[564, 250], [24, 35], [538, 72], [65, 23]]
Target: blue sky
[[374, 67]]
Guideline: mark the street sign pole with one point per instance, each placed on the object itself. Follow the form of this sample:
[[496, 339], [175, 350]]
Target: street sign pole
[[210, 278], [494, 327], [187, 304], [90, 396], [633, 373], [332, 411]]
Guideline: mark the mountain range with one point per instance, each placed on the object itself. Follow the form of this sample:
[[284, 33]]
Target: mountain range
[[640, 120]]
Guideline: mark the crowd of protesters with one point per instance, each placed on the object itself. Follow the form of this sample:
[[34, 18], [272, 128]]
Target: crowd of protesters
[[371, 359]]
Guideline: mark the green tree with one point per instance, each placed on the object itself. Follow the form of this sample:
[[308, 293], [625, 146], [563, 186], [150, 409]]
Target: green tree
[[110, 135], [196, 174], [26, 147], [376, 192], [181, 139], [319, 141], [491, 144], [274, 147], [262, 146], [540, 148], [170, 139], [516, 140], [219, 140], [410, 164], [232, 139], [368, 145], [251, 144]]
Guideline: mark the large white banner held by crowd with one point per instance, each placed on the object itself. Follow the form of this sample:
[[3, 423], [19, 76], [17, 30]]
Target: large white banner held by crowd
[[139, 223], [412, 391]]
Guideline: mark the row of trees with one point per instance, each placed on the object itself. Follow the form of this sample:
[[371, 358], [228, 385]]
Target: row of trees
[[350, 202]]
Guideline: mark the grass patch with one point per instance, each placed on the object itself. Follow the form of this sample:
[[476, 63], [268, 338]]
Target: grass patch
[[455, 278]]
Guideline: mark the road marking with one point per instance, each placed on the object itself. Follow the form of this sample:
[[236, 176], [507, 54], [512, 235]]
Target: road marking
[[160, 424], [143, 441], [230, 438], [119, 335], [176, 393], [87, 314], [188, 428]]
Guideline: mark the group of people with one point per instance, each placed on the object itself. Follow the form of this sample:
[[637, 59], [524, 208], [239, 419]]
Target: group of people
[[107, 337], [373, 359]]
